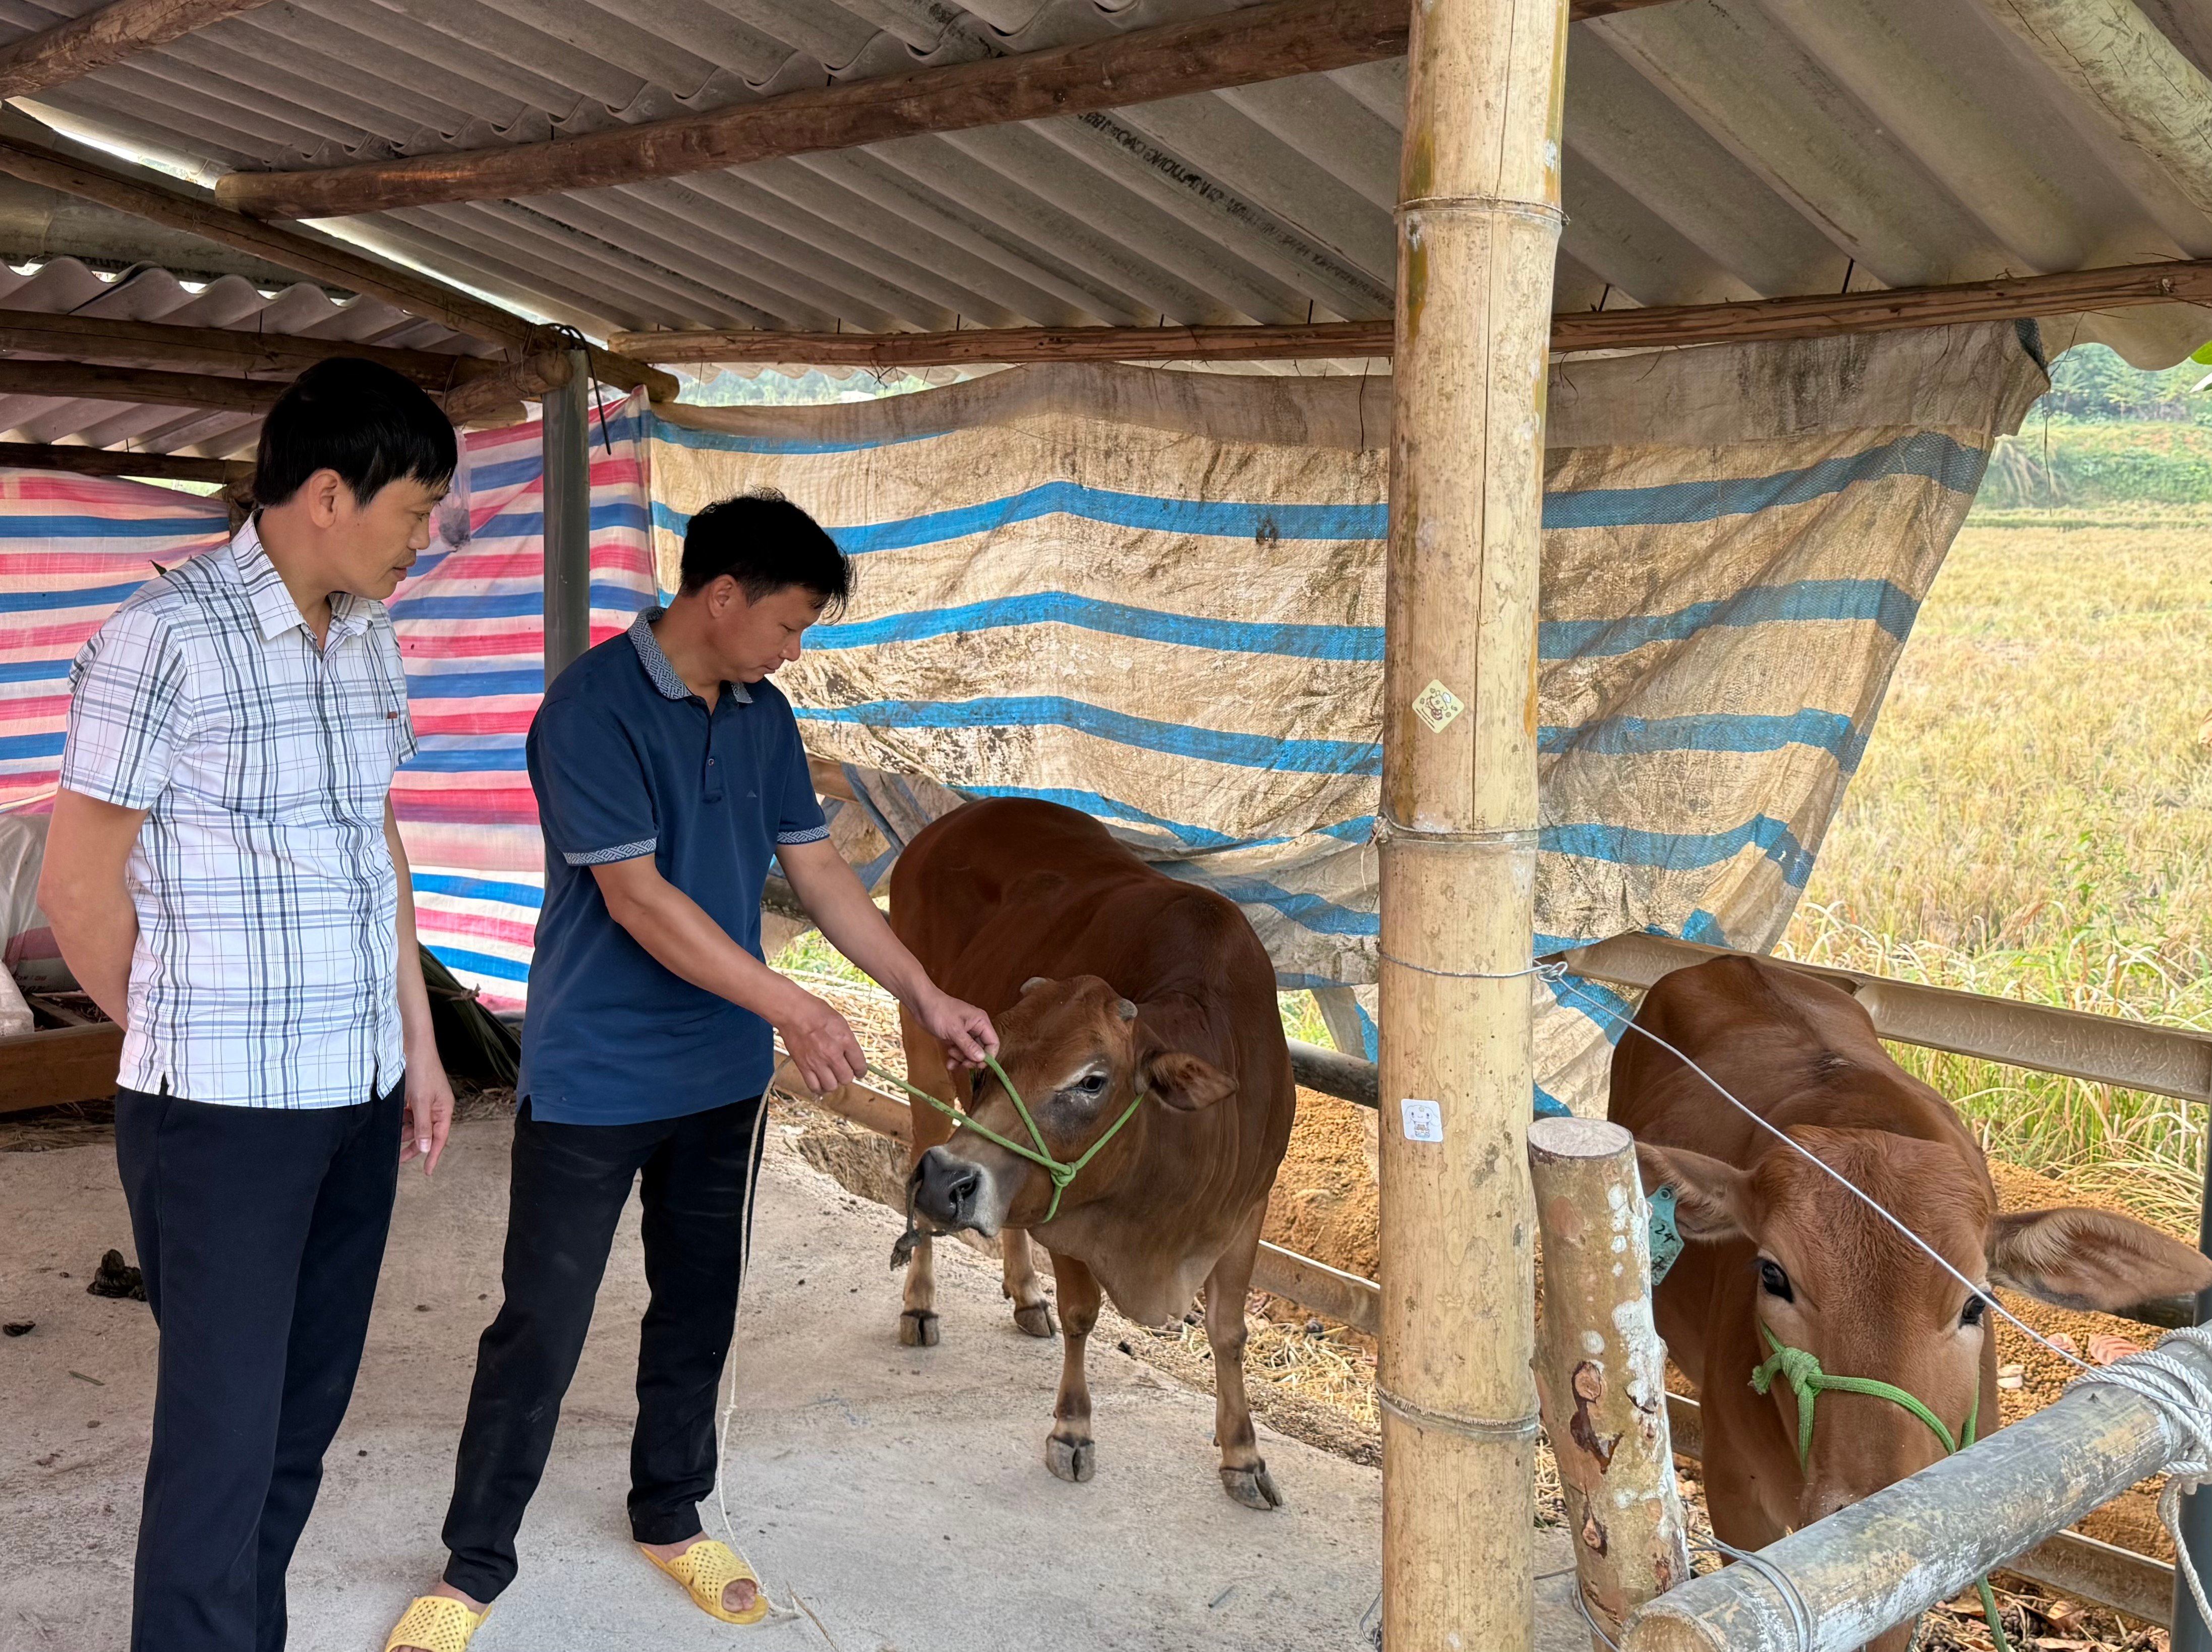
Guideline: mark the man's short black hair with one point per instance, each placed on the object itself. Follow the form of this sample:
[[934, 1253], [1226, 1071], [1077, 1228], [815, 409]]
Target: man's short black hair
[[358, 418], [766, 544]]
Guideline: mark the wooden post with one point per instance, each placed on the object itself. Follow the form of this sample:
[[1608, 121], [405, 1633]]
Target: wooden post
[[1602, 1370], [1478, 225], [565, 439]]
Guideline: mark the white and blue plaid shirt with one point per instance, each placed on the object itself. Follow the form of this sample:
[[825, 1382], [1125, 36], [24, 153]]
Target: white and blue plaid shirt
[[266, 968]]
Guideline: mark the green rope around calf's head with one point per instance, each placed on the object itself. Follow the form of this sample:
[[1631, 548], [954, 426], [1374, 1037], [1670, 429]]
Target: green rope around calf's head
[[1801, 1371], [1061, 1173]]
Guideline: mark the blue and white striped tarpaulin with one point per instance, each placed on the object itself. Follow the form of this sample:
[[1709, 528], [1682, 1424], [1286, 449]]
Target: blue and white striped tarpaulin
[[1157, 598]]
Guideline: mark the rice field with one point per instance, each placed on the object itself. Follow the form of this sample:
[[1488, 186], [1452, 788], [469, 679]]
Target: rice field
[[2034, 820]]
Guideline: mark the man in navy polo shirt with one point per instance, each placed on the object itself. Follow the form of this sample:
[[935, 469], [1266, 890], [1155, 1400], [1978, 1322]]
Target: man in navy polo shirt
[[668, 771]]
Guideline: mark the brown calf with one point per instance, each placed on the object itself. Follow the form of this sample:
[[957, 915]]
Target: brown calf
[[1103, 977], [1774, 1242]]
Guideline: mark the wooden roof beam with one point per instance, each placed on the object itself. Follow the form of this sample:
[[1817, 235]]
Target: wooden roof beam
[[1202, 54], [1817, 316], [221, 350], [82, 46], [175, 205], [493, 398], [82, 382], [103, 461]]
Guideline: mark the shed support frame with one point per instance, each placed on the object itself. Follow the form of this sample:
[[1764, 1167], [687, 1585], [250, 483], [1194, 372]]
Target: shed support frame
[[565, 436], [1479, 222]]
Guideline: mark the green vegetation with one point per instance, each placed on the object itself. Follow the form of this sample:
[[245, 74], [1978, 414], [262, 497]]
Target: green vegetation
[[2107, 434]]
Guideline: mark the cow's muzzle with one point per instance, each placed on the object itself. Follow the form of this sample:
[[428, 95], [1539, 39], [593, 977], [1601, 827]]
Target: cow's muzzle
[[951, 1193]]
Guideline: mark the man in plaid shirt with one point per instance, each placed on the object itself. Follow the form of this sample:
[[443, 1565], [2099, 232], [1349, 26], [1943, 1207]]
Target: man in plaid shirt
[[225, 876]]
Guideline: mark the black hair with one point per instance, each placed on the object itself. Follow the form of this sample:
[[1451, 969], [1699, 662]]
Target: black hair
[[358, 418], [767, 544]]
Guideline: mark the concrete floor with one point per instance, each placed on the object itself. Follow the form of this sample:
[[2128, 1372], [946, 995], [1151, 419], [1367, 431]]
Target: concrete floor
[[901, 1493]]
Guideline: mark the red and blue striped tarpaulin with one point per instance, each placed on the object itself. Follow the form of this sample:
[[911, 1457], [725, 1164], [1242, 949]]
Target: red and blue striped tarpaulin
[[471, 623]]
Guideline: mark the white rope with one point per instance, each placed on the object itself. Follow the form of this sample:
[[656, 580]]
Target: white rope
[[777, 1612], [2182, 1395]]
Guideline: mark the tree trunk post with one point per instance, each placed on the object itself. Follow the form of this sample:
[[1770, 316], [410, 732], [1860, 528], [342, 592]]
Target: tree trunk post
[[1602, 1370]]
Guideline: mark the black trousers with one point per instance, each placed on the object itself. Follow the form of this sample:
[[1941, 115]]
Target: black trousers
[[260, 1231], [569, 1187]]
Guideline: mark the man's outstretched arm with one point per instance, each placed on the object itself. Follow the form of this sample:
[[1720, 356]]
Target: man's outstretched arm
[[831, 893]]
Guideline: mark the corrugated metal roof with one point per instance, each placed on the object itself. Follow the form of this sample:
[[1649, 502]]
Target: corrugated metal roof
[[1715, 149], [67, 287]]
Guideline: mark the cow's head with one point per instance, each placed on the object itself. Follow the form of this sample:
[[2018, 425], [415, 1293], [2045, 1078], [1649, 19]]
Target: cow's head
[[1079, 1053], [1829, 1276]]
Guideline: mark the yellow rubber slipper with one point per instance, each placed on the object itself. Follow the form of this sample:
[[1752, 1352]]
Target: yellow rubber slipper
[[705, 1570], [436, 1622]]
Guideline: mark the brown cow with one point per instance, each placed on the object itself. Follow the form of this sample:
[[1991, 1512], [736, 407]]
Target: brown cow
[[1103, 976], [1774, 1242]]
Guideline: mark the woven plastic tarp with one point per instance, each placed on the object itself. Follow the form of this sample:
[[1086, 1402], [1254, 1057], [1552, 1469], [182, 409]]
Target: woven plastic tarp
[[1157, 598]]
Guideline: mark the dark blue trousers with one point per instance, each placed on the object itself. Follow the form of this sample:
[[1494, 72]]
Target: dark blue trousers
[[260, 1231], [567, 1192]]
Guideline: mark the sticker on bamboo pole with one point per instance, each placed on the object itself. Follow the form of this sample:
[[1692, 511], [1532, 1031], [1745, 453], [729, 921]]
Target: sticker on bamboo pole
[[1424, 1121], [1436, 706]]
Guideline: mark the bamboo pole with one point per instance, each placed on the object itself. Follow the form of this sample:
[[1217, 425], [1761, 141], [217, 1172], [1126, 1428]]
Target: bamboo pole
[[1478, 225], [1602, 1370]]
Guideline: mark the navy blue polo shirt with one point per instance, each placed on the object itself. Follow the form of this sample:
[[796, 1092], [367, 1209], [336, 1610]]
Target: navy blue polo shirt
[[627, 762]]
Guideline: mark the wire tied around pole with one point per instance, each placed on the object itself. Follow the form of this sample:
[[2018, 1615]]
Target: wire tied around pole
[[1551, 970], [571, 338], [2182, 1396], [1793, 1601]]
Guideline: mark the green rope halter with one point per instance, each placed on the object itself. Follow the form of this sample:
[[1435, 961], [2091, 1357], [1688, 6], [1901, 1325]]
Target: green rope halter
[[1801, 1371], [1040, 1155]]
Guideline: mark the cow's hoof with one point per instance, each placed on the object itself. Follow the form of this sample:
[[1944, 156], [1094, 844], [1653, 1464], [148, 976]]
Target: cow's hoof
[[1034, 1320], [917, 1329], [1071, 1460], [1252, 1487]]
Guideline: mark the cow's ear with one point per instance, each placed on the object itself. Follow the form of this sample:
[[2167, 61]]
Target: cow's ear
[[1182, 1081], [2077, 1258], [1709, 1202]]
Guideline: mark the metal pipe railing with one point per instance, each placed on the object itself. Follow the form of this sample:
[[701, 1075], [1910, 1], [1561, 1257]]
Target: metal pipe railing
[[1833, 1586]]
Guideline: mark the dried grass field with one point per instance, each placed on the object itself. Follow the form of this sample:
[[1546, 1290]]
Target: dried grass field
[[2034, 820]]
